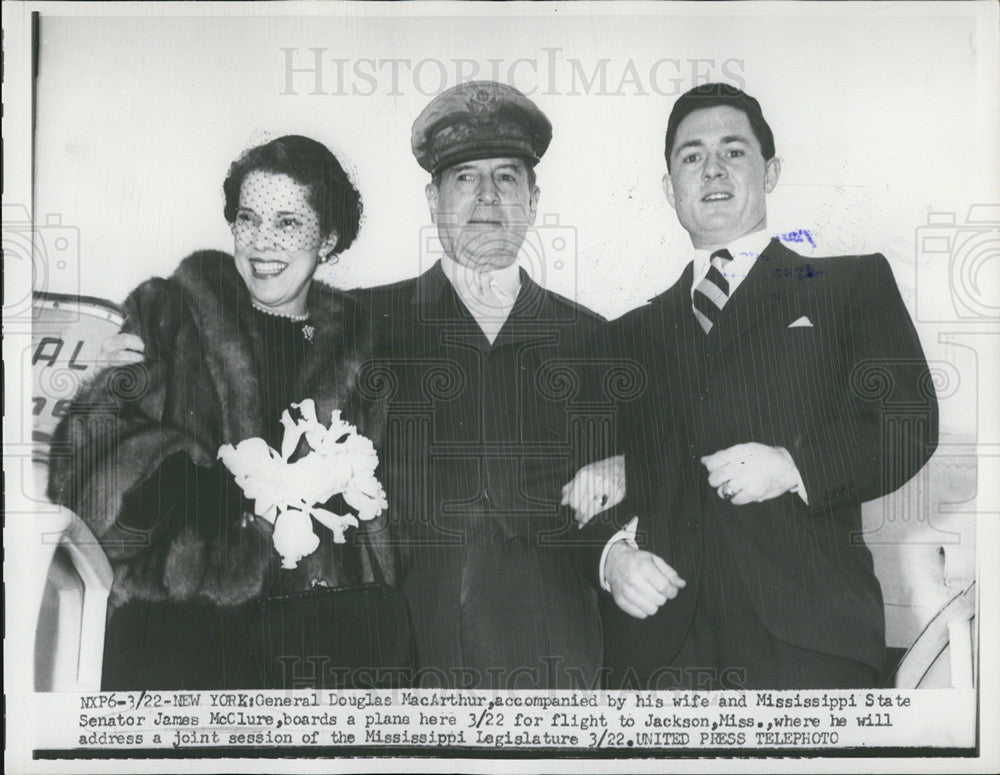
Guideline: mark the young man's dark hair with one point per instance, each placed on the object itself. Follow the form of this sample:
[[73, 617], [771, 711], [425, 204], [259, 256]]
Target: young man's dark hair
[[711, 95]]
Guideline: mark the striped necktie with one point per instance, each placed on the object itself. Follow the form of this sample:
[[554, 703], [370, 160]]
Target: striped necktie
[[712, 293]]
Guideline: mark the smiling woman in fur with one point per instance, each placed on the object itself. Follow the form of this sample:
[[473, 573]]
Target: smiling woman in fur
[[229, 342]]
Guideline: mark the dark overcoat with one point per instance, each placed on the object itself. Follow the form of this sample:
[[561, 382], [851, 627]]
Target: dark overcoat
[[479, 440]]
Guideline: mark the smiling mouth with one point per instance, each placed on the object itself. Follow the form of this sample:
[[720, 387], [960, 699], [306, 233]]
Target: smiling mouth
[[264, 269], [718, 196]]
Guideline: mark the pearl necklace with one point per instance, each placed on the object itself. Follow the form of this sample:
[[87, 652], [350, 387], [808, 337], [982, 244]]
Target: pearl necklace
[[266, 311], [308, 331]]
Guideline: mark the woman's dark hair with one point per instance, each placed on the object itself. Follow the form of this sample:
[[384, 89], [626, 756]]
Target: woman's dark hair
[[712, 95], [331, 193]]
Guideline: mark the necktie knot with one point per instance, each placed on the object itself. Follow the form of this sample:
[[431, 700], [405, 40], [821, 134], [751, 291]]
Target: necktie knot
[[720, 258]]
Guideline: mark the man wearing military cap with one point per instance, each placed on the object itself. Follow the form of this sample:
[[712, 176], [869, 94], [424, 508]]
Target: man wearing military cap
[[479, 431], [473, 119]]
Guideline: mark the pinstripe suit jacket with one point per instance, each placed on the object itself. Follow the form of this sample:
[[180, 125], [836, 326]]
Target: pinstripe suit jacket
[[849, 396]]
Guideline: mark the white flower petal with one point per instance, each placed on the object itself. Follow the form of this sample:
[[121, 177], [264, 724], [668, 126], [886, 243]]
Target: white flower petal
[[366, 496], [292, 435], [290, 495], [313, 429], [315, 478], [337, 523], [248, 457], [294, 537], [308, 409]]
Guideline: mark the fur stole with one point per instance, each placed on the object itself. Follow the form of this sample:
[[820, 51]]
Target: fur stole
[[195, 390]]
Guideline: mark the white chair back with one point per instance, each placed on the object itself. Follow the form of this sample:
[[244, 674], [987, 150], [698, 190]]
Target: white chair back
[[71, 595], [944, 655]]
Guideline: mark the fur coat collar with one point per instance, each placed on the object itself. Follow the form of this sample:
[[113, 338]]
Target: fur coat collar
[[195, 390]]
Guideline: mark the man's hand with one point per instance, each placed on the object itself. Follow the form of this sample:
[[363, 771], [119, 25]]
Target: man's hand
[[596, 487], [122, 349], [640, 581], [750, 473]]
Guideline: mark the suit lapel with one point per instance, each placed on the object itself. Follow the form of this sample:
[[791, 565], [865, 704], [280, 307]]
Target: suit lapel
[[764, 296], [763, 300], [667, 319], [675, 336]]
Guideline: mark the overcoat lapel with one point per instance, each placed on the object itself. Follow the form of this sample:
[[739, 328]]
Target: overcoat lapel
[[435, 316]]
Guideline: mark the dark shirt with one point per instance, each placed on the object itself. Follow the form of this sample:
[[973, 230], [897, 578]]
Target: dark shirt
[[279, 357]]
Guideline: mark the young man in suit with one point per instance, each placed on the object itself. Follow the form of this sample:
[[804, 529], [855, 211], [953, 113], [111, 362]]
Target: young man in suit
[[772, 413]]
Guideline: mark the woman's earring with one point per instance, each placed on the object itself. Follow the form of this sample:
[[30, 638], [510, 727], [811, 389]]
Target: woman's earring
[[326, 250]]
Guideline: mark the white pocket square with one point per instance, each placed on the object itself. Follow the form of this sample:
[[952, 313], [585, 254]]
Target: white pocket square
[[802, 322]]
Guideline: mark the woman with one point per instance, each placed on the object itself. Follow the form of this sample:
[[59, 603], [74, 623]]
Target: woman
[[230, 342]]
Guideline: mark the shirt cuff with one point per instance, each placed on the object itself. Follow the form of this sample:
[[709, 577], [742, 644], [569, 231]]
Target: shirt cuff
[[626, 534], [800, 488]]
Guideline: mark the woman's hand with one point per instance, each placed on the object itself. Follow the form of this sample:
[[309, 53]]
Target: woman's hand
[[596, 487], [122, 349]]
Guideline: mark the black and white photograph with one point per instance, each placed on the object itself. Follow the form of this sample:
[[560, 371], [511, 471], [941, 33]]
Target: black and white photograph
[[501, 387]]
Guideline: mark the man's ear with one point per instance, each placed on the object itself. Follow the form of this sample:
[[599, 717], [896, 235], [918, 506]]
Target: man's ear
[[772, 171], [533, 203], [668, 189], [431, 192]]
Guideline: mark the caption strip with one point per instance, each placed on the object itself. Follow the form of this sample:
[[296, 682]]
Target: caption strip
[[480, 719]]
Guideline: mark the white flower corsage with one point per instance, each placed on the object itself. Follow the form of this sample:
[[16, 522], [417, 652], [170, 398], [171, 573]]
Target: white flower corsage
[[289, 495]]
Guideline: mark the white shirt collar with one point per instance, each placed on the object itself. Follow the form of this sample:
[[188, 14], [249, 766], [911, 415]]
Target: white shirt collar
[[744, 251], [488, 296], [471, 284]]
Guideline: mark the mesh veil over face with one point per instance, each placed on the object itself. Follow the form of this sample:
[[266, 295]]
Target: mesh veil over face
[[278, 241]]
